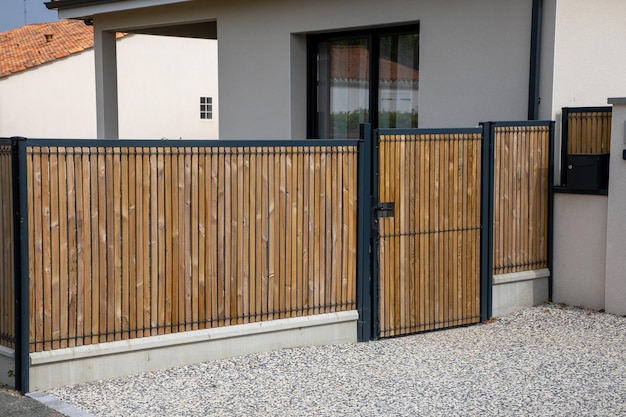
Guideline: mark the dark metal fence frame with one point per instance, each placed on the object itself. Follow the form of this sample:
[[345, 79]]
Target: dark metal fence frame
[[485, 278], [565, 113], [366, 285]]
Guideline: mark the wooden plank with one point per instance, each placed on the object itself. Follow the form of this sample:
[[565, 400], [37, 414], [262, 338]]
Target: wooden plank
[[82, 243], [454, 274], [285, 231], [125, 258], [221, 234], [292, 229], [36, 211], [172, 241], [234, 241], [203, 180], [273, 241], [72, 253], [300, 229], [187, 277], [53, 189], [253, 244], [336, 204], [310, 230], [194, 200], [114, 246], [257, 238], [213, 232], [225, 237], [349, 226], [141, 216], [246, 245], [159, 306]]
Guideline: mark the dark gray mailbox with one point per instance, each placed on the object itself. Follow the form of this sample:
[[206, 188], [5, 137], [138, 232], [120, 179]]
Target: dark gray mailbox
[[587, 171]]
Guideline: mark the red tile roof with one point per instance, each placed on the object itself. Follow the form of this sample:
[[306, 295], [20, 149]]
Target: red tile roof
[[33, 45]]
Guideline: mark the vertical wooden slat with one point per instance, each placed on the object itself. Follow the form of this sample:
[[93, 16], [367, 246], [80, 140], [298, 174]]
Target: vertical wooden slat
[[187, 278], [72, 255]]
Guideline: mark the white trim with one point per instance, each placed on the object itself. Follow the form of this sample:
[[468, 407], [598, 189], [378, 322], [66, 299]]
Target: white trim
[[184, 338], [520, 276], [85, 11]]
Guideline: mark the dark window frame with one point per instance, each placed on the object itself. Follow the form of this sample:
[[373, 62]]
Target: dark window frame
[[373, 36]]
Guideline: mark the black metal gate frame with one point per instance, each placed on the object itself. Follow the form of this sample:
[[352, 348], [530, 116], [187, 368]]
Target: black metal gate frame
[[367, 285]]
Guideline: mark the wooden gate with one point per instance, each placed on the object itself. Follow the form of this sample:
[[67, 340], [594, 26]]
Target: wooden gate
[[429, 229]]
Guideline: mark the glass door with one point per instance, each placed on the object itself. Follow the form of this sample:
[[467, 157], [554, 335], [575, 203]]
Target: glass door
[[398, 79], [363, 77], [343, 87]]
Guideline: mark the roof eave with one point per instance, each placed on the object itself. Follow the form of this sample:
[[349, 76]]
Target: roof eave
[[71, 4]]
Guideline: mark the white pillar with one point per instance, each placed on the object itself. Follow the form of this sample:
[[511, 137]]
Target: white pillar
[[106, 84], [615, 286]]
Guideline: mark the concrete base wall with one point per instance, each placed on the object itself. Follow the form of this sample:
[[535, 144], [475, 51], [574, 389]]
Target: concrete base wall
[[515, 291], [7, 366], [580, 236], [108, 360]]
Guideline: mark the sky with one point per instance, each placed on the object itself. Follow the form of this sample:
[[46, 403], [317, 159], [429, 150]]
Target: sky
[[16, 13]]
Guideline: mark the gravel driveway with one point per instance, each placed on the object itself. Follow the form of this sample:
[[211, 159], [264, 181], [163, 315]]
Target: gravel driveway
[[544, 361]]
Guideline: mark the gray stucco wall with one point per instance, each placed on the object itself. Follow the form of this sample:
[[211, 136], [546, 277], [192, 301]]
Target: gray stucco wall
[[474, 56]]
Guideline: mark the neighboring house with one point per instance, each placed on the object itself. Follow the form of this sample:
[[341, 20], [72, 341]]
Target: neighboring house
[[47, 84]]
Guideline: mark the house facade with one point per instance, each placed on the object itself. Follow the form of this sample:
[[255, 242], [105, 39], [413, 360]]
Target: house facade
[[467, 62], [161, 83]]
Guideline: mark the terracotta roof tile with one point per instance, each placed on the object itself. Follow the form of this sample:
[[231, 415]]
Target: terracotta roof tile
[[37, 44]]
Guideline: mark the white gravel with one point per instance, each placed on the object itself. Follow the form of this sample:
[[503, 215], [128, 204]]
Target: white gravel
[[544, 361]]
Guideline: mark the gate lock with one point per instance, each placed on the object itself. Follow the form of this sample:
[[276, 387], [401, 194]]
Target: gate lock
[[383, 210]]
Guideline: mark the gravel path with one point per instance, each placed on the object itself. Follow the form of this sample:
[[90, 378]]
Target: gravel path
[[549, 360]]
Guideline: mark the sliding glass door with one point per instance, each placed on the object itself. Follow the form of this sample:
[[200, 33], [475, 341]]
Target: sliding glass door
[[363, 77]]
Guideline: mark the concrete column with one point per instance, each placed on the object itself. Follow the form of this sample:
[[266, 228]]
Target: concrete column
[[615, 286], [106, 84]]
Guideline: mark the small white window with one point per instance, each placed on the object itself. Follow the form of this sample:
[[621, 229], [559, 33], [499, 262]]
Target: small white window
[[206, 108]]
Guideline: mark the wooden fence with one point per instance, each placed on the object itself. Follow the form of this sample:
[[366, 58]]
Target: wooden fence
[[587, 129], [7, 296], [521, 168], [132, 241], [429, 250]]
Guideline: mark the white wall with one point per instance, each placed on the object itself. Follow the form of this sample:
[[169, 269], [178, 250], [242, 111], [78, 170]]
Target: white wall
[[579, 253], [589, 58], [589, 67], [615, 290], [160, 83], [54, 100], [474, 56]]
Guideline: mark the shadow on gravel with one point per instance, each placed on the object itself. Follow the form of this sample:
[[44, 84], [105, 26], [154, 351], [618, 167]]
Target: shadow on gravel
[[13, 404]]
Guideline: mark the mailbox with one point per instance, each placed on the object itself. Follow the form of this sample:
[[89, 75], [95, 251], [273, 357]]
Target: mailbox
[[587, 171]]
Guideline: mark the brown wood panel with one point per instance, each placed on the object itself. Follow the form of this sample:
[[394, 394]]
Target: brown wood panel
[[589, 131], [428, 251], [7, 327], [520, 198], [129, 242]]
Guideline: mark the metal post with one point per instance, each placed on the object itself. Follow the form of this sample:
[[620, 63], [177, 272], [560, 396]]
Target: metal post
[[551, 155], [486, 213], [20, 253], [535, 60], [364, 279], [564, 145]]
